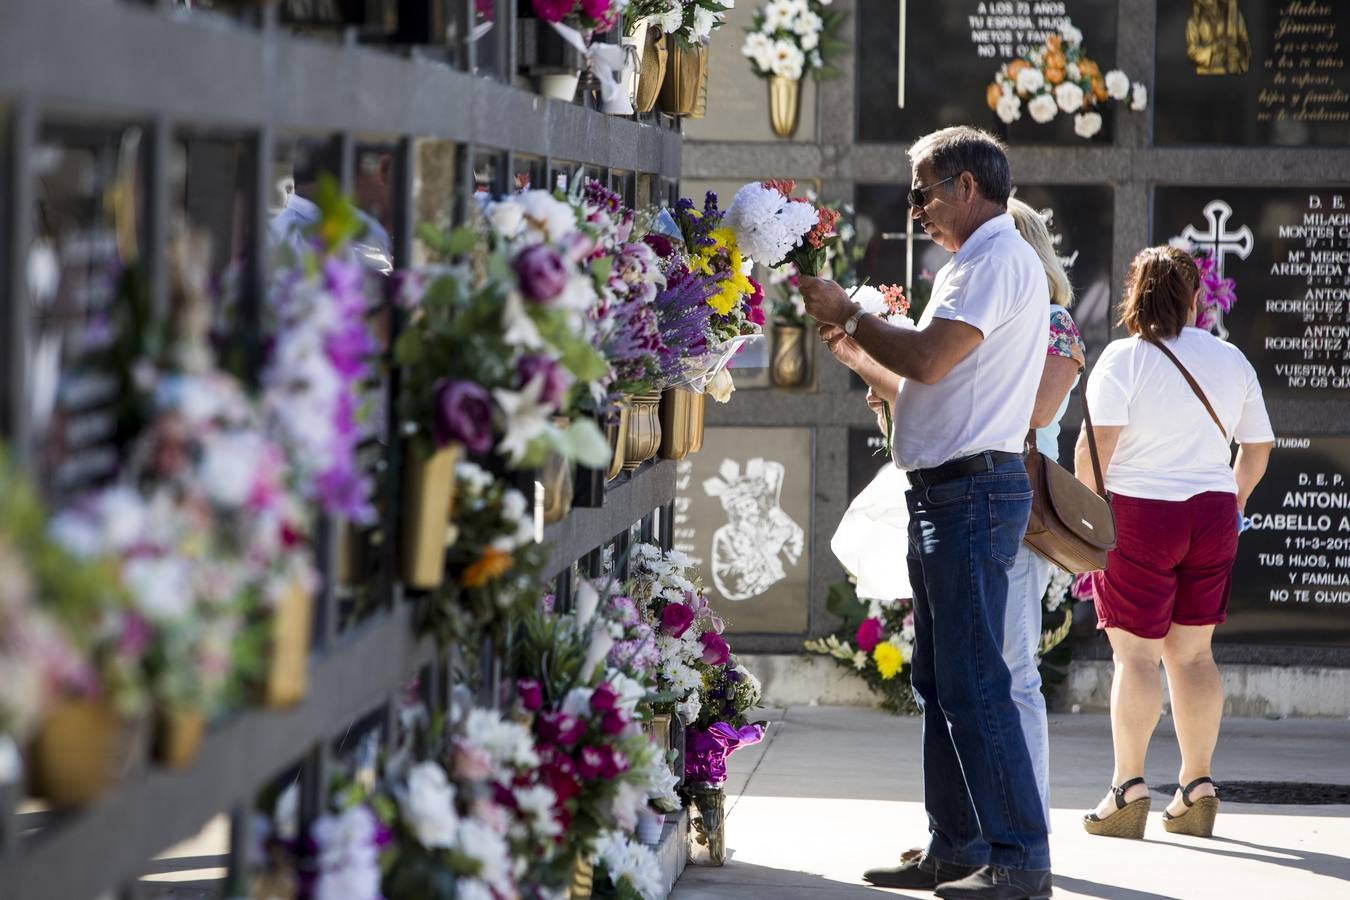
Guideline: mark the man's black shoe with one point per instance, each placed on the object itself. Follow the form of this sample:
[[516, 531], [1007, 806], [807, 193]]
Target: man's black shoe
[[998, 883], [917, 871]]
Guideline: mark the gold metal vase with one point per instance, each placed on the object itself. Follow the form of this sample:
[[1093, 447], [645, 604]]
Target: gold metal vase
[[788, 368], [677, 421], [696, 408], [178, 736], [785, 104], [428, 504], [686, 75], [644, 430], [288, 653], [652, 73], [583, 878], [617, 433], [555, 474], [80, 750]]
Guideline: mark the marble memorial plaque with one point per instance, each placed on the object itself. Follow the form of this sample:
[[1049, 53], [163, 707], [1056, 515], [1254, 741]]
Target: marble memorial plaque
[[866, 456], [743, 515], [1288, 252], [1291, 582], [924, 66], [1253, 72]]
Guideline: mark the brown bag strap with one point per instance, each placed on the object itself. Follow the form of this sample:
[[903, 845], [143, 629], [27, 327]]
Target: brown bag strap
[[1092, 438], [1195, 386]]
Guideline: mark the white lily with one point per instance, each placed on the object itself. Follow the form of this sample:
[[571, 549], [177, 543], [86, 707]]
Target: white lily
[[526, 418]]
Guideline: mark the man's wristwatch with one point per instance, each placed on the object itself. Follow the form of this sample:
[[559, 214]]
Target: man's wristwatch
[[852, 324]]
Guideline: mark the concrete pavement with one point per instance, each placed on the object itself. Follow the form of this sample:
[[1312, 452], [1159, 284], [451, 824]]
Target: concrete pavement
[[834, 790]]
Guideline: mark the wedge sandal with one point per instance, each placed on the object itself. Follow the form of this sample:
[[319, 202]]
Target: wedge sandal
[[1198, 819], [1127, 821]]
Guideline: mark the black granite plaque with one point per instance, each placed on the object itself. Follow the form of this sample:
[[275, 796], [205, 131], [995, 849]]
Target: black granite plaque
[[89, 234], [866, 456], [1288, 252], [1291, 583], [951, 52], [1253, 72]]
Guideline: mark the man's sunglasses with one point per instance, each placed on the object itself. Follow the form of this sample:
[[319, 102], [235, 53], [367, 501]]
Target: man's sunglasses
[[916, 195]]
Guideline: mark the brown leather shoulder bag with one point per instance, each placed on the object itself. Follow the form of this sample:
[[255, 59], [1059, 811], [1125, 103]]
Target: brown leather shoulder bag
[[1071, 525]]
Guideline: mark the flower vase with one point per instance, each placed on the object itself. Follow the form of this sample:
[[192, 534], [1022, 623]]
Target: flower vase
[[696, 408], [653, 72], [785, 104], [634, 46], [677, 422], [556, 64], [644, 430], [686, 77], [618, 440], [583, 878], [707, 824], [650, 826], [555, 474], [428, 504], [788, 369], [178, 736], [677, 736], [288, 654], [559, 87], [80, 750]]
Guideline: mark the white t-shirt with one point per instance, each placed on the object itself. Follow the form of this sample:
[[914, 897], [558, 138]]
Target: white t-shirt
[[995, 283], [1169, 448]]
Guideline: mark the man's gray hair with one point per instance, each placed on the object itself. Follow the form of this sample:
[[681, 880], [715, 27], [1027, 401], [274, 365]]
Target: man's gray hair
[[964, 149]]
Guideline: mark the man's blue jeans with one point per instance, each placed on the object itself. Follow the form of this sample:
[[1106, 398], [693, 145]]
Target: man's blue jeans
[[979, 784]]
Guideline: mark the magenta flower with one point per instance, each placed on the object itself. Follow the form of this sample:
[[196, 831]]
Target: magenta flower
[[676, 619], [868, 635], [614, 763], [559, 728], [464, 414], [552, 10], [715, 649], [541, 272], [590, 762], [604, 698], [613, 723], [531, 694], [555, 378]]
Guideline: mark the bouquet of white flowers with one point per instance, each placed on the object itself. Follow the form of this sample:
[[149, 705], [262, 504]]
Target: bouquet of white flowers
[[792, 37]]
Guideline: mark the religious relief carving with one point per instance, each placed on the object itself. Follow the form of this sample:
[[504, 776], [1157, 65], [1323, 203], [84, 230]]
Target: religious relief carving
[[749, 551], [1216, 38]]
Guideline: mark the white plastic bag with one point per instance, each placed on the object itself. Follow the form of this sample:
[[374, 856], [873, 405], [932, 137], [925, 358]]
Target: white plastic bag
[[872, 541]]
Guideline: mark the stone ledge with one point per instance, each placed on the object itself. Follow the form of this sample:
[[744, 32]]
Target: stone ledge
[[1255, 691], [806, 680]]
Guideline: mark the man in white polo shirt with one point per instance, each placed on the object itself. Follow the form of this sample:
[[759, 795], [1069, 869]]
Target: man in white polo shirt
[[964, 384]]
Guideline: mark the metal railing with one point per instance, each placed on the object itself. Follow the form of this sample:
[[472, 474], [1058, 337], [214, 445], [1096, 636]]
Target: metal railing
[[236, 83]]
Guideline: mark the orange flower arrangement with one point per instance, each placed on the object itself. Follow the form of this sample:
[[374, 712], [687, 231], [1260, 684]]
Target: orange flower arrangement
[[490, 566]]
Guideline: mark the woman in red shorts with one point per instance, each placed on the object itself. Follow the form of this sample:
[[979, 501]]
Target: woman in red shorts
[[1165, 446]]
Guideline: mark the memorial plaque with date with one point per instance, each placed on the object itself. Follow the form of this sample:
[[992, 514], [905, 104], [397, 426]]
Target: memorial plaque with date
[[1291, 582], [924, 66], [1288, 252], [1253, 72], [866, 456]]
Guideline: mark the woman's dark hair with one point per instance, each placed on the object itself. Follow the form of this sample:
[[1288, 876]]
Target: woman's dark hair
[[1158, 292]]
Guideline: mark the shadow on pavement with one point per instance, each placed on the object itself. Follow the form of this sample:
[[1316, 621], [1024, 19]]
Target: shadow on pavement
[[737, 881], [1304, 860], [1105, 891]]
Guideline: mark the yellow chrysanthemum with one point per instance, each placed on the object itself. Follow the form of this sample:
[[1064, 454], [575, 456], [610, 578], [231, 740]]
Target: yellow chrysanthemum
[[888, 659], [734, 285]]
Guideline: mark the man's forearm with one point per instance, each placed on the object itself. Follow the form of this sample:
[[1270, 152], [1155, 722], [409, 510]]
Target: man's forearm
[[899, 351], [880, 379]]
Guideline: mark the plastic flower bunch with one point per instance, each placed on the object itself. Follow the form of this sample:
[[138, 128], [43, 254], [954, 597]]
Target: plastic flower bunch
[[66, 628], [590, 15], [499, 342], [1060, 77], [789, 38], [875, 641], [1217, 295], [689, 635], [492, 558], [320, 356], [593, 753], [688, 21], [714, 251]]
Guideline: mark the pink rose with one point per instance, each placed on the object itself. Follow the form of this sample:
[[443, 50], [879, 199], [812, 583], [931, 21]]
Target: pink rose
[[869, 635], [676, 619], [715, 649]]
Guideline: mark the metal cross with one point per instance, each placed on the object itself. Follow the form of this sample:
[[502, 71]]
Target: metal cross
[[1220, 243]]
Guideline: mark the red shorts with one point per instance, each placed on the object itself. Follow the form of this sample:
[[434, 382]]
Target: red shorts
[[1173, 562]]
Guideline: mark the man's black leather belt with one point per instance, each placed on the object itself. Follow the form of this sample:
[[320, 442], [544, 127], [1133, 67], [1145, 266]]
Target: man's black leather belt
[[960, 468]]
